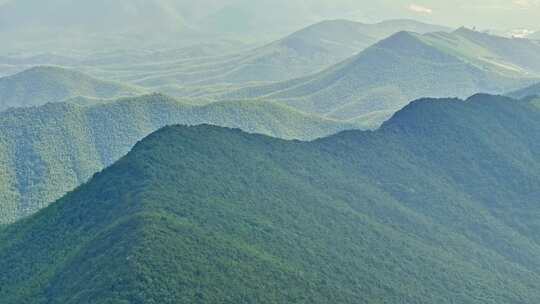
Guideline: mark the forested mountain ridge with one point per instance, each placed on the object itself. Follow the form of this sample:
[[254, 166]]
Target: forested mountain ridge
[[437, 206], [44, 84], [49, 150]]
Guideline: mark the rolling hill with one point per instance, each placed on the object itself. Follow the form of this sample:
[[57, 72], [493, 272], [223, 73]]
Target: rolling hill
[[403, 67], [437, 206], [41, 85], [49, 150]]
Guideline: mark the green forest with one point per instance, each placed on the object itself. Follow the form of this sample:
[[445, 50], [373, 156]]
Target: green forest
[[437, 206]]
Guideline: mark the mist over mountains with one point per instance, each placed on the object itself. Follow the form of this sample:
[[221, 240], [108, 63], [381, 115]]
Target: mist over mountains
[[126, 22]]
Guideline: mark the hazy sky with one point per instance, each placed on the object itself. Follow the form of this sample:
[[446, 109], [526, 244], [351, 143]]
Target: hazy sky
[[498, 14], [283, 15], [486, 13]]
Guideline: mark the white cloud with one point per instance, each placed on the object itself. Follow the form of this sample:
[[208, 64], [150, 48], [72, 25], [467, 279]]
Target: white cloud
[[420, 9], [521, 33], [526, 3]]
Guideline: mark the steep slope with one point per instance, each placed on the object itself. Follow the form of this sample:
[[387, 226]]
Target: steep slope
[[386, 76], [49, 150], [41, 85], [438, 206]]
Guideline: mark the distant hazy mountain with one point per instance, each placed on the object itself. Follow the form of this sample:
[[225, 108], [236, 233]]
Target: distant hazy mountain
[[533, 90], [407, 66], [438, 206], [83, 25], [41, 85], [301, 53], [49, 150], [213, 61], [522, 55]]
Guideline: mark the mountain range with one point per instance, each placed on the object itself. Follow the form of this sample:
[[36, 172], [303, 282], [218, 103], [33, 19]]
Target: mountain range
[[439, 205], [386, 76], [269, 151], [49, 150], [306, 51], [369, 86], [124, 22], [204, 64]]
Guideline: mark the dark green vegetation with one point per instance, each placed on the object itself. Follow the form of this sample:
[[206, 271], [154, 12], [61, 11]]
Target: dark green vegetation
[[406, 66], [41, 85], [46, 151], [440, 205]]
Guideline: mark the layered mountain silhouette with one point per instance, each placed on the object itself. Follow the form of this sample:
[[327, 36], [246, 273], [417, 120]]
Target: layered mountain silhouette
[[304, 52], [49, 150], [507, 53], [406, 66], [437, 206], [44, 84]]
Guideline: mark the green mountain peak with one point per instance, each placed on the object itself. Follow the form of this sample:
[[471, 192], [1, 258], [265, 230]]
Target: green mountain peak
[[419, 211]]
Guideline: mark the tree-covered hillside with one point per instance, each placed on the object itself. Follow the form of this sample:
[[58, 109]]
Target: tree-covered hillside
[[46, 151], [406, 66], [40, 85], [439, 205]]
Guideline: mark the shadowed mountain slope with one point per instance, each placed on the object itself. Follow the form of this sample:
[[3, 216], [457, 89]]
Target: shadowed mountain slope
[[440, 205]]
